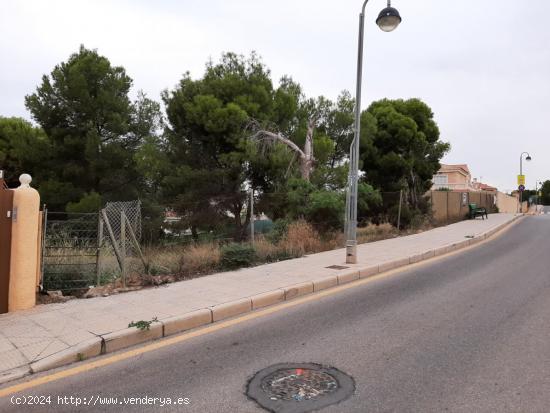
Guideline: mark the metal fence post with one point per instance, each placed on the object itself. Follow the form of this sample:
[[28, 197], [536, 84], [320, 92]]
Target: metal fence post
[[123, 246], [42, 253], [252, 216], [99, 245], [399, 210]]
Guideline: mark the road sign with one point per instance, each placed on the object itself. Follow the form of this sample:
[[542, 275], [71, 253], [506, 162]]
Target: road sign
[[521, 188], [521, 180]]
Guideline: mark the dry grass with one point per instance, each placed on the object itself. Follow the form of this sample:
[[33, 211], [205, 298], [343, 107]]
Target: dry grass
[[267, 251], [200, 259], [301, 239], [372, 233], [187, 261]]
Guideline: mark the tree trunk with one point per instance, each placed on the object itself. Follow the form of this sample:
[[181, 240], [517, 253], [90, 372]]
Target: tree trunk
[[306, 158]]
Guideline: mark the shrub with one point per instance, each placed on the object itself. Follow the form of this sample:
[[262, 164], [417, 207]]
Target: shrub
[[373, 232], [267, 251], [235, 255], [326, 210], [201, 258], [278, 231], [301, 238]]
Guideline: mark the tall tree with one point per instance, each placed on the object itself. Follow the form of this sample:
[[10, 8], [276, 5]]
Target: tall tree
[[24, 148], [545, 192], [212, 162], [84, 108], [401, 148]]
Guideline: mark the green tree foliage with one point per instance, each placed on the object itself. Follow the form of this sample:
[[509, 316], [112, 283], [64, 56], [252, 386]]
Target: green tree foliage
[[369, 199], [23, 149], [401, 147], [545, 190], [93, 128], [88, 203], [210, 160]]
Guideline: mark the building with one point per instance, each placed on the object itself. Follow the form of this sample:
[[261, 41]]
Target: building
[[453, 178], [480, 186]]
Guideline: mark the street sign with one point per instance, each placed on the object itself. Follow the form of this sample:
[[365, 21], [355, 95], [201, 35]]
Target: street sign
[[521, 180], [521, 188]]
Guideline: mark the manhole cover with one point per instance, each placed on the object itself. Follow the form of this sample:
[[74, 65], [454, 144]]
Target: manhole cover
[[297, 388]]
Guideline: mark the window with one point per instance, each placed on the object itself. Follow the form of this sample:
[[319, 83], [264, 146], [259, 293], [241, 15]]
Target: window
[[441, 179]]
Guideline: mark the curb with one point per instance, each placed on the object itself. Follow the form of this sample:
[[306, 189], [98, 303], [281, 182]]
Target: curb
[[111, 342], [14, 374], [80, 352]]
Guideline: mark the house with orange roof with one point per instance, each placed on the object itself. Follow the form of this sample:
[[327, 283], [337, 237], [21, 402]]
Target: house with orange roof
[[453, 178]]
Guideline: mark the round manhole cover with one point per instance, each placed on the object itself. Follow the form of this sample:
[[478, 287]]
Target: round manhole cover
[[297, 388]]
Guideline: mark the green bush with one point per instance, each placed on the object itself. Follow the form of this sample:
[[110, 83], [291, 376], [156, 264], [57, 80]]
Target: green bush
[[325, 210], [278, 231], [237, 256]]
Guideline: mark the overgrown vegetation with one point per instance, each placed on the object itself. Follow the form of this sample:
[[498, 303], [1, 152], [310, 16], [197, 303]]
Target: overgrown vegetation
[[221, 135]]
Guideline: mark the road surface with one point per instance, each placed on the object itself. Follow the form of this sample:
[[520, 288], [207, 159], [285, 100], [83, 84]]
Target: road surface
[[467, 333]]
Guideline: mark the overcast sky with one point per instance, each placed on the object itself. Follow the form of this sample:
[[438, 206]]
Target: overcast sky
[[483, 66]]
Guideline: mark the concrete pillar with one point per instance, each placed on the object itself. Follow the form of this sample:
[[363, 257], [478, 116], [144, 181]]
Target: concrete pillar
[[24, 246]]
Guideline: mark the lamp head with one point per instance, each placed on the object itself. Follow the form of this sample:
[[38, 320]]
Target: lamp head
[[388, 19], [528, 158]]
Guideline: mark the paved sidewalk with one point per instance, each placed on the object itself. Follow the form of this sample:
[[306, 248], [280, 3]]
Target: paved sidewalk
[[55, 334]]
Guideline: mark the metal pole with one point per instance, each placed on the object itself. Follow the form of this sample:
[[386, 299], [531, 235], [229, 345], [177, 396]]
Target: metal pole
[[252, 216], [351, 198], [123, 246], [99, 245], [521, 173], [399, 210], [44, 227]]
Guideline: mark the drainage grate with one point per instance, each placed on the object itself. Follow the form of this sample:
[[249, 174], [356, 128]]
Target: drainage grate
[[337, 267], [297, 388]]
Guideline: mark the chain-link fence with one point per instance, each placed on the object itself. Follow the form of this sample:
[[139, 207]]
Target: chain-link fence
[[84, 250], [70, 251], [119, 239]]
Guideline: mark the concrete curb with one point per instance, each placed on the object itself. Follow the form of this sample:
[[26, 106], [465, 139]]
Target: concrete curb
[[267, 299], [80, 352], [130, 336], [121, 339], [178, 324], [14, 374], [231, 309]]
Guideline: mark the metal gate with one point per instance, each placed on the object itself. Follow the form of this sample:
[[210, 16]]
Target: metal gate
[[81, 250], [70, 252], [6, 205]]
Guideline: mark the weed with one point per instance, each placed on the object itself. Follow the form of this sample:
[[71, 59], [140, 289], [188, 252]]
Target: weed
[[142, 324]]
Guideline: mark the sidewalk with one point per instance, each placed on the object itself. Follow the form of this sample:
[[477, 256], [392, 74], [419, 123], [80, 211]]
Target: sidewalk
[[52, 335]]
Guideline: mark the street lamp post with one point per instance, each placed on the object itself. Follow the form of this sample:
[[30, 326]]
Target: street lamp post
[[528, 158], [387, 20]]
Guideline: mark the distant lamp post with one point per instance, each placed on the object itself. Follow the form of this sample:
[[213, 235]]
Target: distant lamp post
[[528, 158], [387, 20]]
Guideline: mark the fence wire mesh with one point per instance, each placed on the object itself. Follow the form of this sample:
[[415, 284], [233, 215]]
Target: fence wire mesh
[[120, 230], [78, 250], [70, 251]]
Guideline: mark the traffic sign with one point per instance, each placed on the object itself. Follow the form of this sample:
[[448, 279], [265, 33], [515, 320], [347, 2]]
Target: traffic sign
[[521, 180], [521, 188]]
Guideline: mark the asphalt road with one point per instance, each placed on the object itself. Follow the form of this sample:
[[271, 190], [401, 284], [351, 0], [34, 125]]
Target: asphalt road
[[469, 333]]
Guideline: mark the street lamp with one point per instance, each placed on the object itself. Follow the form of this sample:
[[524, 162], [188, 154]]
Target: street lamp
[[528, 158], [387, 20]]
